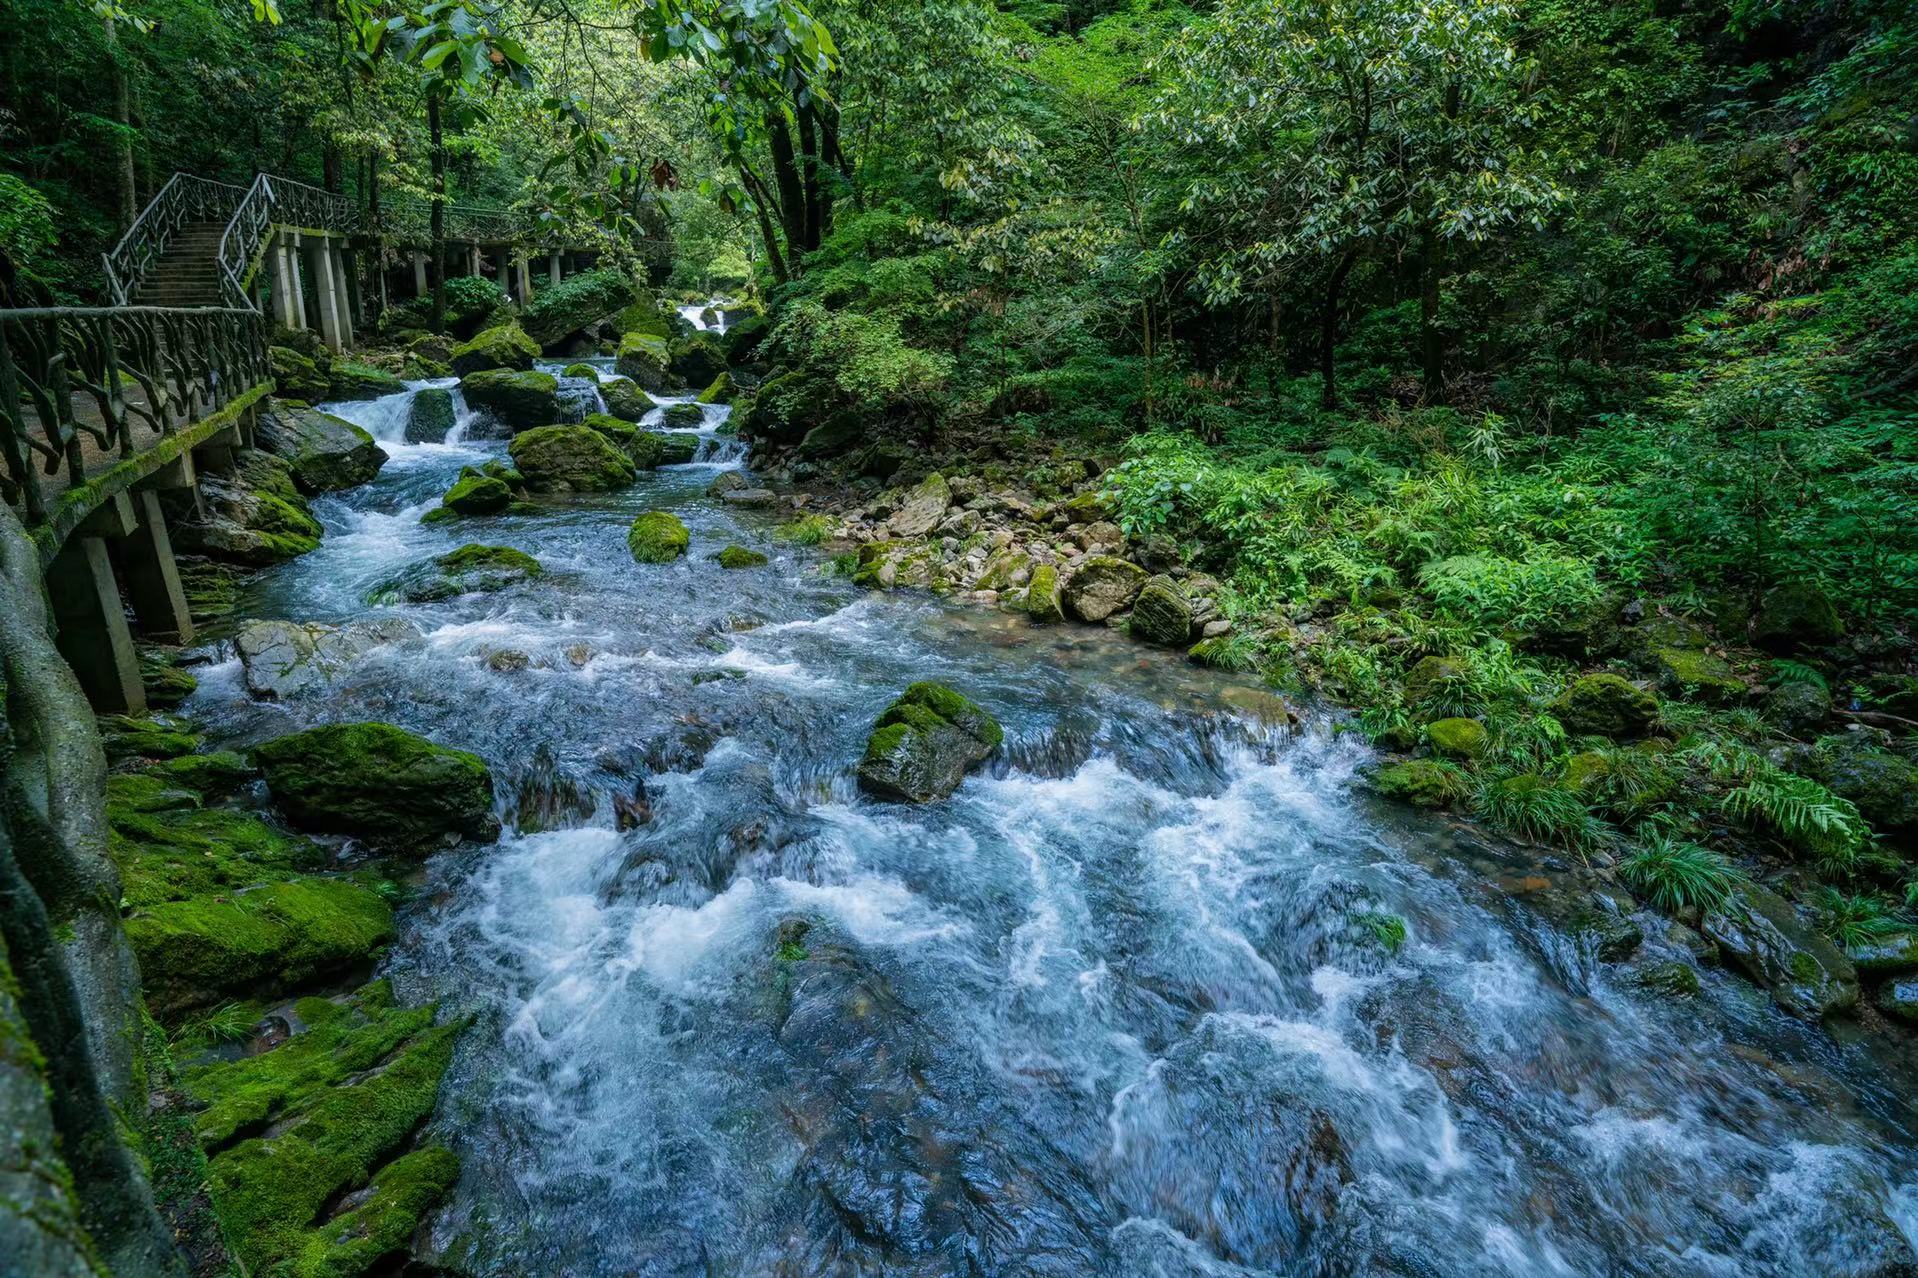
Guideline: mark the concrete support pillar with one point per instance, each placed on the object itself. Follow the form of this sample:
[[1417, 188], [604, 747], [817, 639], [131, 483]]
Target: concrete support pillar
[[419, 273], [473, 259], [294, 273], [524, 269], [552, 268], [326, 301], [350, 277], [93, 634], [344, 292], [288, 308], [153, 576]]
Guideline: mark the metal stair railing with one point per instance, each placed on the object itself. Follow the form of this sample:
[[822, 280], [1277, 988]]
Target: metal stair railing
[[185, 198]]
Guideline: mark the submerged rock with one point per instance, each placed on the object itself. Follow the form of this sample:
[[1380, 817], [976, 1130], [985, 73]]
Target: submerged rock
[[322, 452], [468, 570], [1102, 586], [431, 416], [384, 785], [922, 746], [657, 537], [1760, 935], [281, 659], [571, 459]]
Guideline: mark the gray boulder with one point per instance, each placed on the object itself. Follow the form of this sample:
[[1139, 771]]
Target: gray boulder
[[282, 659], [1759, 934], [1101, 586], [923, 508], [322, 452], [1161, 614]]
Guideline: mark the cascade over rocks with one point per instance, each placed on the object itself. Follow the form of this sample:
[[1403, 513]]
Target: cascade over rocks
[[386, 786], [923, 745], [322, 452], [518, 400]]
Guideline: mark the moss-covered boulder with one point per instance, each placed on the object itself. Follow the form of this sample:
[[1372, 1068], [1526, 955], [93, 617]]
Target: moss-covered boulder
[[1605, 705], [697, 359], [388, 787], [323, 453], [657, 537], [253, 515], [1696, 673], [1457, 738], [719, 390], [1160, 614], [420, 368], [474, 493], [584, 372], [890, 565], [560, 310], [645, 358], [1881, 783], [682, 417], [1423, 783], [213, 776], [299, 375], [740, 557], [1432, 676], [1043, 602], [351, 381], [675, 448], [1757, 932], [470, 570], [1794, 616], [503, 346], [743, 340], [1101, 586], [624, 399], [517, 400], [922, 746], [430, 416], [560, 459], [645, 315], [140, 736]]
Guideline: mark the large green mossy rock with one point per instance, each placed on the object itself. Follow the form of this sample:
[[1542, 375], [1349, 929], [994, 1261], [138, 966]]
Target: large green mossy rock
[[1422, 783], [1757, 932], [323, 453], [273, 1192], [571, 459], [735, 557], [657, 537], [299, 375], [1794, 616], [743, 340], [431, 416], [1101, 586], [1161, 615], [1457, 738], [923, 745], [697, 360], [840, 433], [502, 346], [560, 310], [519, 400], [388, 787], [624, 399], [470, 570], [718, 391], [1883, 784], [1043, 602], [1605, 705], [645, 315], [474, 493], [645, 358], [348, 381], [1694, 672], [253, 515]]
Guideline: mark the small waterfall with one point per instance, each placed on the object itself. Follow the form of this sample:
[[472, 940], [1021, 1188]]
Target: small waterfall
[[695, 314], [388, 418]]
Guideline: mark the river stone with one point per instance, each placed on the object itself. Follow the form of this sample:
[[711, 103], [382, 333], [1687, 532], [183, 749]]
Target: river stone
[[718, 391], [468, 570], [391, 788], [923, 508], [676, 448], [643, 357], [1457, 738], [322, 452], [431, 416], [1795, 615], [1101, 586], [1893, 954], [1607, 706], [1043, 602], [474, 493], [740, 557], [624, 399], [697, 359], [570, 459], [518, 400], [504, 346], [1759, 934], [1423, 783], [1898, 998], [281, 659], [657, 537], [1160, 614], [252, 515], [749, 497], [922, 746], [348, 381]]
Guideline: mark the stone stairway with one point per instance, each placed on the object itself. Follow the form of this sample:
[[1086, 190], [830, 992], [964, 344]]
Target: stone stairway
[[188, 272]]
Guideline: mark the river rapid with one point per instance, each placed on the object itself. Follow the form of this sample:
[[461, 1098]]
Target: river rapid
[[1121, 1006]]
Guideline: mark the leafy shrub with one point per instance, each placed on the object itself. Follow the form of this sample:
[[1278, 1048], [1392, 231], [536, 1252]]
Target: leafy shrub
[[1529, 807], [1675, 876], [1490, 592]]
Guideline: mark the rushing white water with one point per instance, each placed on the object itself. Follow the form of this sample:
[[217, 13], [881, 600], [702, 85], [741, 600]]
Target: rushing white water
[[1118, 1007], [695, 314]]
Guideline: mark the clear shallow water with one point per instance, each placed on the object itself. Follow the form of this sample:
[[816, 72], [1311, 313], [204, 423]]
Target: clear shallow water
[[1110, 1010]]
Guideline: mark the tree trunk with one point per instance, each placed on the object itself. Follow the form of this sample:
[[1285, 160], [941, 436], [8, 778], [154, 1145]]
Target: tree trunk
[[436, 267], [123, 146], [809, 175], [1431, 343], [757, 189], [1329, 330], [792, 196]]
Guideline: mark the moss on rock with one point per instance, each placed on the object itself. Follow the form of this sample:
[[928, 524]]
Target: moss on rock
[[1457, 738], [657, 537], [922, 746], [504, 346], [624, 399], [740, 557], [476, 494], [1605, 705], [1423, 783], [643, 357], [571, 459], [389, 787], [469, 570]]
